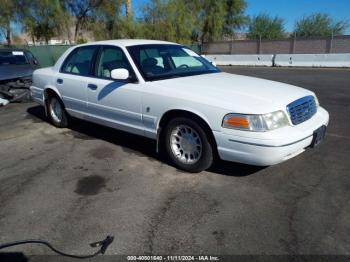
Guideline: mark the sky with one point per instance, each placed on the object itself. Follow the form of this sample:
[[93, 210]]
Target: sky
[[289, 10]]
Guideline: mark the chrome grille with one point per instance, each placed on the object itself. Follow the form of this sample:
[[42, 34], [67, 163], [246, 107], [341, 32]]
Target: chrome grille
[[302, 109]]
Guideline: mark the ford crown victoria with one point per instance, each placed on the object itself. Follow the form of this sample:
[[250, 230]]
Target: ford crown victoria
[[167, 92]]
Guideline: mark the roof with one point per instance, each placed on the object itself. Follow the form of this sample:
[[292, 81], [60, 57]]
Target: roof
[[130, 42]]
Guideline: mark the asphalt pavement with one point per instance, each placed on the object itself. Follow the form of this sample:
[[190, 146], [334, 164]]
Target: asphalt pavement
[[74, 186]]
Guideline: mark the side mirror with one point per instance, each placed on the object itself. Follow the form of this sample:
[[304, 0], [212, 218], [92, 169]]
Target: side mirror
[[35, 62], [120, 74]]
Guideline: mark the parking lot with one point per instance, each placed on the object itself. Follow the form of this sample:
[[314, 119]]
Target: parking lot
[[74, 186]]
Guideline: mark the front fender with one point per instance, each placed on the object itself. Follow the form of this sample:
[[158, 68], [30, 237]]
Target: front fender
[[185, 109]]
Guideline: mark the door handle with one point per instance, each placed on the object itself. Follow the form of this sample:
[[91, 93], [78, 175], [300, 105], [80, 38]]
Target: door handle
[[59, 81], [92, 86]]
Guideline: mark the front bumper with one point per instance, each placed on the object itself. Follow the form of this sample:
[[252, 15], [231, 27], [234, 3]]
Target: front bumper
[[268, 148]]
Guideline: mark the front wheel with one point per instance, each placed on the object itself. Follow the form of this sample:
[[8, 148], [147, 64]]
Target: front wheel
[[187, 145], [57, 112]]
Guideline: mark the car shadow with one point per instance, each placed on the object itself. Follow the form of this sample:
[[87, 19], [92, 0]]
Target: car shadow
[[233, 169], [138, 145]]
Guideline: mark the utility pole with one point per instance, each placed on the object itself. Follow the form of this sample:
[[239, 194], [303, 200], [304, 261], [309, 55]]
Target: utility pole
[[259, 44], [8, 33], [8, 37], [294, 42], [331, 42], [128, 11]]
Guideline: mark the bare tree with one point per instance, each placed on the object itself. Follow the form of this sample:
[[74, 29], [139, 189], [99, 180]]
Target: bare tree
[[81, 10]]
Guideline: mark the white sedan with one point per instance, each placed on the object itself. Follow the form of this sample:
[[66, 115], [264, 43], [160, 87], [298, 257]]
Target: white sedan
[[167, 92]]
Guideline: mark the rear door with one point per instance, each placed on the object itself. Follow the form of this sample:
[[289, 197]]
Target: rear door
[[114, 101], [73, 78]]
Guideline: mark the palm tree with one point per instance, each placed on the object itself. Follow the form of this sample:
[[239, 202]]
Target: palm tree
[[128, 8]]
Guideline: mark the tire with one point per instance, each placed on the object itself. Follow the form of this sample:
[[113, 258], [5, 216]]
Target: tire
[[56, 112], [187, 145]]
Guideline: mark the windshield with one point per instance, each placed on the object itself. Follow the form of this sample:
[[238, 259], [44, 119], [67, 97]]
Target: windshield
[[157, 62], [12, 58]]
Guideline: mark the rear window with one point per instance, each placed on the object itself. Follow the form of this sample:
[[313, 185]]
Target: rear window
[[13, 58], [79, 61]]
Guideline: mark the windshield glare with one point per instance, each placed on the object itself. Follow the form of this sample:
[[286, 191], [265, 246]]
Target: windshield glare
[[12, 58], [156, 62]]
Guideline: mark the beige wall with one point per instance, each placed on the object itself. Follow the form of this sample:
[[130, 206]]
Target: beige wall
[[339, 44]]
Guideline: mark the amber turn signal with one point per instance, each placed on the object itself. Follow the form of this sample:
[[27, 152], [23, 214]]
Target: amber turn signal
[[237, 122]]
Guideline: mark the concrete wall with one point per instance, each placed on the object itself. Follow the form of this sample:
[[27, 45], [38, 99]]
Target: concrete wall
[[313, 60], [247, 60], [286, 60]]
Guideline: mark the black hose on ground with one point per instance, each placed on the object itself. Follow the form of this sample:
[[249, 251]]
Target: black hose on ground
[[102, 244]]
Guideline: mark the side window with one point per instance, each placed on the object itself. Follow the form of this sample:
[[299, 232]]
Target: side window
[[112, 58], [79, 61]]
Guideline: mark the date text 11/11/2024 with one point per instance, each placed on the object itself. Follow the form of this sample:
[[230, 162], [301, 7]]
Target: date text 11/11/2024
[[173, 258]]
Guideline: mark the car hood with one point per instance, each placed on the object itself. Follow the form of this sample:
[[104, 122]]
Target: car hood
[[238, 93], [15, 71]]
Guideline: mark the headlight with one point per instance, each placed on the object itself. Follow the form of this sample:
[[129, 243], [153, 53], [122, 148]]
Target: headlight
[[258, 123]]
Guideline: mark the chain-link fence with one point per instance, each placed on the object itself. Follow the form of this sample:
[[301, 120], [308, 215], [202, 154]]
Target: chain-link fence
[[47, 55], [333, 44]]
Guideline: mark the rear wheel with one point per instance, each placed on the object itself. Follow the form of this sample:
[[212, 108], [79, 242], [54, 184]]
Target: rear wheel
[[187, 145], [57, 113]]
